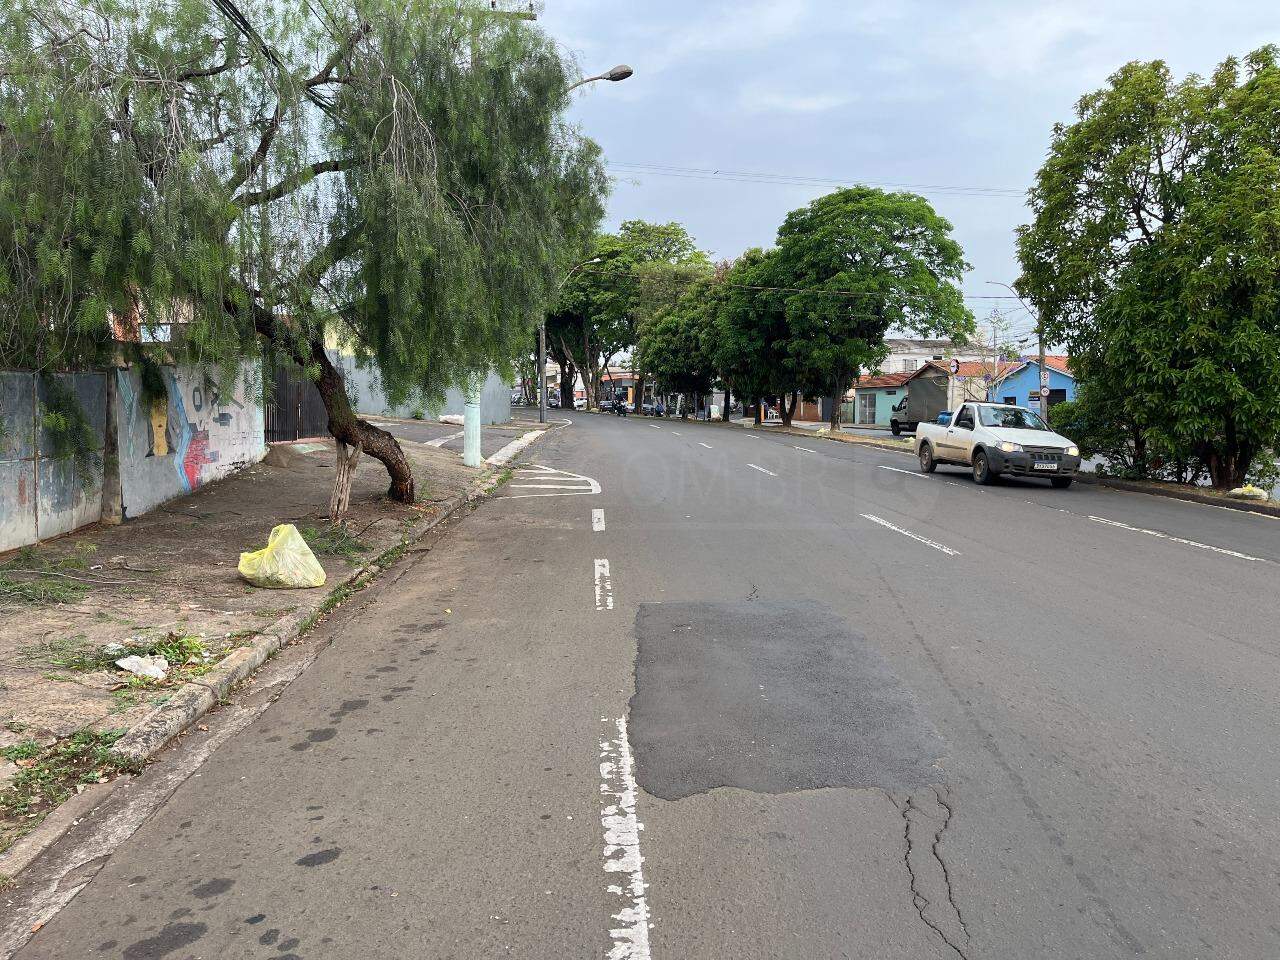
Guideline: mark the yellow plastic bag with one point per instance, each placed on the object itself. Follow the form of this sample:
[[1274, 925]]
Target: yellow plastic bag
[[286, 562]]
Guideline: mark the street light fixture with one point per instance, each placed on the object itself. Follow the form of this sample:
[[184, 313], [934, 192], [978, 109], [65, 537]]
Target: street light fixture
[[620, 72]]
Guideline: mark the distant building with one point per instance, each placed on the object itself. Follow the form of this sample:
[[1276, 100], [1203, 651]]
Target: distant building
[[1020, 382], [908, 356], [874, 397]]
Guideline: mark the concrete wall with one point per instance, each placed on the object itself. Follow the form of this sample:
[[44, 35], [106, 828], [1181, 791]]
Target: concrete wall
[[364, 387], [42, 495], [198, 434], [165, 450]]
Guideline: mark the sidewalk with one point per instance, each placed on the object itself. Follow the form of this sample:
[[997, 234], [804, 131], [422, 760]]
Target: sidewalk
[[167, 584]]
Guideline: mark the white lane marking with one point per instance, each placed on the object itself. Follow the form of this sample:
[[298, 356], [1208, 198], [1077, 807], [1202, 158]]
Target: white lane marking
[[1172, 539], [565, 484], [805, 450], [707, 445], [909, 473], [512, 448], [675, 434], [761, 469], [630, 938], [441, 441], [654, 425], [597, 521], [914, 536], [604, 586]]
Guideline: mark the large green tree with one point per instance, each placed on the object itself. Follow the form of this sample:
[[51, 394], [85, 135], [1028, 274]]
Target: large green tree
[[854, 264], [395, 175], [598, 314], [1153, 256]]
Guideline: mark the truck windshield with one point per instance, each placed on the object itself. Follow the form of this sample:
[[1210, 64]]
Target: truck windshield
[[1015, 418]]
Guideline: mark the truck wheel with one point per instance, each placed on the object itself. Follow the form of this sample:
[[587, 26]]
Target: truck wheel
[[982, 469], [927, 463], [893, 426], [1061, 483]]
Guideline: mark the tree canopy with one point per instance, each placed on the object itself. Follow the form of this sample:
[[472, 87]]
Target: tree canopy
[[1152, 256], [632, 274], [394, 175]]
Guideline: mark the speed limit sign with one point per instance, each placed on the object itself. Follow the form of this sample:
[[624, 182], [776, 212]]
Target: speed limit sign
[[1044, 391]]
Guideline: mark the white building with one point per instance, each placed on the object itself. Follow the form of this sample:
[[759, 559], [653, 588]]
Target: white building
[[908, 356]]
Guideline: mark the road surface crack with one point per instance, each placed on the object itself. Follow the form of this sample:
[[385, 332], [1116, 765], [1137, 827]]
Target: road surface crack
[[919, 900]]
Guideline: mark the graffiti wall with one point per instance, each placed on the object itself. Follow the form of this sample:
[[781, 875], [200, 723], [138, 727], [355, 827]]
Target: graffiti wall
[[43, 494], [196, 432]]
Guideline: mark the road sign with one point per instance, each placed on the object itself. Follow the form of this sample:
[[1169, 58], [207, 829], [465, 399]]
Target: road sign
[[1044, 391], [955, 366]]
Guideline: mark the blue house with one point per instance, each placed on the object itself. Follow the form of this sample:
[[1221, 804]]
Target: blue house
[[1021, 383]]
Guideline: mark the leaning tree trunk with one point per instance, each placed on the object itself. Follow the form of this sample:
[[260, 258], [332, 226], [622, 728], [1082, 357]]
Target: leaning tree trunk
[[347, 428]]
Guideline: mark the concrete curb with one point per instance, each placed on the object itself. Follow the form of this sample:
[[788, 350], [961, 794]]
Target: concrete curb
[[23, 852], [1261, 507], [193, 700]]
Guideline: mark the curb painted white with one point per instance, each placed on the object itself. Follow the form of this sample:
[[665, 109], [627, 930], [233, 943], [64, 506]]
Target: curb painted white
[[629, 931], [515, 446]]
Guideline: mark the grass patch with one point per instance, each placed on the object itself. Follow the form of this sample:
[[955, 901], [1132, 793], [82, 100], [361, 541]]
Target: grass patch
[[49, 775], [186, 655], [334, 541]]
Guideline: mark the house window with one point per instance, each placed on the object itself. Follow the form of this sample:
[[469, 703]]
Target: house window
[[907, 366]]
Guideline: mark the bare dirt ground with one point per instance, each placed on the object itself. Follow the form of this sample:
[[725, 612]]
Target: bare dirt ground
[[169, 581]]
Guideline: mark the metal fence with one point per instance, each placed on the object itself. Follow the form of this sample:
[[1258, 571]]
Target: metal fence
[[293, 408]]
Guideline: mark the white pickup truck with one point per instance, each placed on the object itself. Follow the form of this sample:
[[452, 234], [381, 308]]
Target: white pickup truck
[[996, 438]]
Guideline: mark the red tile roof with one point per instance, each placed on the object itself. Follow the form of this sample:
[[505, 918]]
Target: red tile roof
[[883, 380]]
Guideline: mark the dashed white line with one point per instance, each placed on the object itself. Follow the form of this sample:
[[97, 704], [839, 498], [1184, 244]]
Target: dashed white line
[[597, 521], [914, 536], [707, 445], [909, 473], [441, 441], [675, 434], [604, 586], [805, 449], [761, 469], [1173, 539], [753, 436], [654, 425], [622, 828]]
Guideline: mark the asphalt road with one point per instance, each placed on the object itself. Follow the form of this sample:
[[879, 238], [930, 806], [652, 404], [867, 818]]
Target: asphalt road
[[781, 697]]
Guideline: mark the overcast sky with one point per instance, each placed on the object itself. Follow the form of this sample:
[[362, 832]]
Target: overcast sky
[[943, 96]]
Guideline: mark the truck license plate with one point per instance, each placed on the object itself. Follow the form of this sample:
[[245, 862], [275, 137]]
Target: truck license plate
[[1046, 466]]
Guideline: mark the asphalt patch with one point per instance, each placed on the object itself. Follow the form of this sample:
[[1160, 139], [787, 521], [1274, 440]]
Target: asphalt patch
[[773, 698]]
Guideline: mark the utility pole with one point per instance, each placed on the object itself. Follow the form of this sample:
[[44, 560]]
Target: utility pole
[[1043, 405]]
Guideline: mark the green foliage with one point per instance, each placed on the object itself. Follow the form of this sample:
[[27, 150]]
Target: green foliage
[[49, 585], [67, 425], [1152, 257], [603, 305], [334, 540], [398, 176], [855, 264], [49, 775]]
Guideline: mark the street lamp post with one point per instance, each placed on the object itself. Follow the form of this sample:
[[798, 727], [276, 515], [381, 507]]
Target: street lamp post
[[620, 72]]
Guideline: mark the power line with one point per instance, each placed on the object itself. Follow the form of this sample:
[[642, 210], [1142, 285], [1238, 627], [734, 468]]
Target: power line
[[782, 179]]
